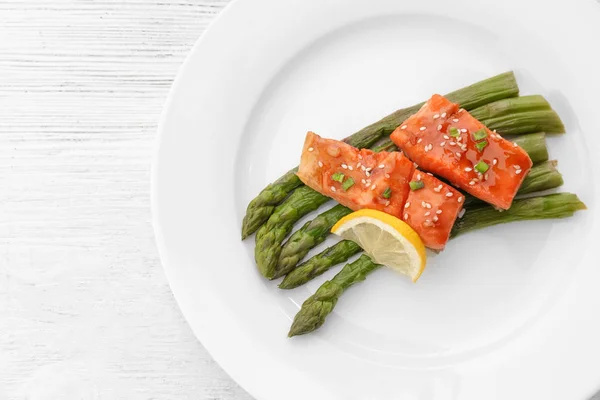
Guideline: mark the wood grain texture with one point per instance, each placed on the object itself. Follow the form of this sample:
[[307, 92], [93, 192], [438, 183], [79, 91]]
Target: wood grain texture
[[85, 309]]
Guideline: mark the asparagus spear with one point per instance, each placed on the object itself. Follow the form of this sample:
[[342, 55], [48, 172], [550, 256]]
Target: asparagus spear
[[531, 121], [315, 266], [270, 236], [558, 205], [317, 307], [511, 106], [262, 206], [534, 145], [495, 88], [314, 232], [307, 237]]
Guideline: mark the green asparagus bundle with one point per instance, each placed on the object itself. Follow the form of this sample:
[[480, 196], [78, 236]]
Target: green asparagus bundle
[[495, 88], [276, 267], [317, 307], [316, 231]]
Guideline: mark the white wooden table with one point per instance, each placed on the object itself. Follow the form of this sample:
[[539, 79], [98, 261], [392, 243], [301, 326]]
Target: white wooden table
[[85, 309]]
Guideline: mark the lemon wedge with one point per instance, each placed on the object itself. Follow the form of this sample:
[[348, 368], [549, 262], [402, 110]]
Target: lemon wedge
[[386, 239]]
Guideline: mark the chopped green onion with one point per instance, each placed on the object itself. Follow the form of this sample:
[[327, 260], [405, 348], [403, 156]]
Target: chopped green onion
[[480, 134], [454, 132], [348, 183], [387, 193], [416, 185], [481, 167], [481, 145], [338, 177]]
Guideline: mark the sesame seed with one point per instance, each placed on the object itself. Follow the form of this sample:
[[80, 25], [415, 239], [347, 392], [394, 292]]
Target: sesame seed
[[387, 203], [449, 194], [472, 183], [363, 167], [452, 143], [387, 175], [403, 127], [463, 130], [422, 128], [358, 164], [428, 205], [446, 137], [416, 165], [368, 169], [418, 177], [515, 145], [516, 167], [518, 171], [405, 216], [423, 204], [494, 131], [344, 166], [462, 213], [407, 204], [363, 181], [427, 223], [429, 173], [382, 166], [439, 127], [460, 199], [436, 116], [350, 167], [420, 140], [461, 110], [455, 120], [435, 218], [428, 213], [438, 212], [495, 161], [310, 149], [320, 164], [442, 144], [458, 155], [333, 188], [444, 115], [373, 187], [367, 173], [468, 169], [485, 177]]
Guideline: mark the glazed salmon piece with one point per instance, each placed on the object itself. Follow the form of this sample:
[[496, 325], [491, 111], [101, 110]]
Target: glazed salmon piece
[[356, 178], [449, 142], [431, 209]]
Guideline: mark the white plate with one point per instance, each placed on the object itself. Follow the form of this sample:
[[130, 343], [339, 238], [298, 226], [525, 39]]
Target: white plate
[[509, 312]]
